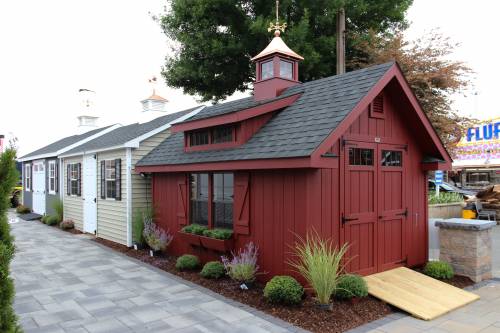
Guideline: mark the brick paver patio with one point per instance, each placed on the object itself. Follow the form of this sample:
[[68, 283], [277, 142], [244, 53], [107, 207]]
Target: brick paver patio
[[67, 283]]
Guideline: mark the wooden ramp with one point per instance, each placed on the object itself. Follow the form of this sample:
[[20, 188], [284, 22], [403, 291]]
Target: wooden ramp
[[417, 294]]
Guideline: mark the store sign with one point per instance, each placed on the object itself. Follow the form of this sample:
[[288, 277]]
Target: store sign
[[438, 177], [483, 132]]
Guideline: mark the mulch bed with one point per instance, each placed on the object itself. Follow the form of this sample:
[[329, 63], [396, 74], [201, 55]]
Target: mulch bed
[[345, 315]]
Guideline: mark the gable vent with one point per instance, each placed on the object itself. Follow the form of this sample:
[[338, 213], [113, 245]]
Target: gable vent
[[377, 107]]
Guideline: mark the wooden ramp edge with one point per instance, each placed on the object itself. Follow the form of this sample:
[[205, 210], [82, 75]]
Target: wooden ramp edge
[[421, 296]]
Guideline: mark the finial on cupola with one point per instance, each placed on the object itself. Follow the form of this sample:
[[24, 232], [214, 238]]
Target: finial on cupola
[[277, 66]]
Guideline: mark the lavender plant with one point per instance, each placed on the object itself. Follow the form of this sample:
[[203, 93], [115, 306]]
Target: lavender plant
[[155, 237], [243, 266]]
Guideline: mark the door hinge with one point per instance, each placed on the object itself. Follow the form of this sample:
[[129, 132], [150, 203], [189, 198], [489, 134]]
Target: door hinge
[[405, 213], [345, 219]]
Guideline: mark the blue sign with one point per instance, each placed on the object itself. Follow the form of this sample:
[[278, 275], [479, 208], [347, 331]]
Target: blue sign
[[438, 177], [484, 132]]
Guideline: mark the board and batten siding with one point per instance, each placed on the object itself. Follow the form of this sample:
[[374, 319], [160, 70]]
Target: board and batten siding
[[111, 213], [73, 205], [141, 187]]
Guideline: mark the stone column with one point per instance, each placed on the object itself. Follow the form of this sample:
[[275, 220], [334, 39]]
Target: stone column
[[466, 245]]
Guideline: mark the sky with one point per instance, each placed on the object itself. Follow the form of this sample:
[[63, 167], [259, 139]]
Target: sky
[[50, 49]]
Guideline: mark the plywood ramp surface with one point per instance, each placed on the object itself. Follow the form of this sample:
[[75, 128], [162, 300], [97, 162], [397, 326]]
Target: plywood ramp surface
[[422, 296]]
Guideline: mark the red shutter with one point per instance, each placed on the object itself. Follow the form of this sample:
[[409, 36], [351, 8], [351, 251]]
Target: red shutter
[[241, 203], [182, 200]]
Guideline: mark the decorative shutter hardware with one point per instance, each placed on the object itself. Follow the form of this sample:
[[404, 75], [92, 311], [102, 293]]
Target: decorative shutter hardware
[[118, 179], [103, 180]]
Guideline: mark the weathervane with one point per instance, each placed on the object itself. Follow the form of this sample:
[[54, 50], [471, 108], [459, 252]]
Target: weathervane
[[277, 27]]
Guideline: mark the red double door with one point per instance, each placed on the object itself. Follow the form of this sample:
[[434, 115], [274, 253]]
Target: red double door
[[375, 208]]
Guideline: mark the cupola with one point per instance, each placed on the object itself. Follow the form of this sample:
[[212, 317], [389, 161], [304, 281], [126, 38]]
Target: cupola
[[277, 66], [154, 103]]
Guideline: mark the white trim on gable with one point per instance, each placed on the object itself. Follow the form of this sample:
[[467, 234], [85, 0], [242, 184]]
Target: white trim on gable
[[67, 148]]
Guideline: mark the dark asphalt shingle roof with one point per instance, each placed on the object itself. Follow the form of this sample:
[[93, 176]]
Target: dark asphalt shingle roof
[[54, 147], [295, 131], [123, 134]]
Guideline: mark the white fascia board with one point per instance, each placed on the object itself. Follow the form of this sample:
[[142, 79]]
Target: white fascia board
[[135, 142], [93, 151], [65, 149]]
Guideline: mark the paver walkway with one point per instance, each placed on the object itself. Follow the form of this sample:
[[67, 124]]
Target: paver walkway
[[67, 283]]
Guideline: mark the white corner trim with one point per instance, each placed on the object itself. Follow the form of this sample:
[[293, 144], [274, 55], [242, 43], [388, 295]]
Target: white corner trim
[[128, 183], [135, 142]]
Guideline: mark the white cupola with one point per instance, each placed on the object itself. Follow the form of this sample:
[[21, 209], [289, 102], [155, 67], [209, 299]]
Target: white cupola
[[87, 118], [154, 106]]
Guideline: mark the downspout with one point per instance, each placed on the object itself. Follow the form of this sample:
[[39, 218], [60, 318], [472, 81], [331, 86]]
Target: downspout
[[128, 183]]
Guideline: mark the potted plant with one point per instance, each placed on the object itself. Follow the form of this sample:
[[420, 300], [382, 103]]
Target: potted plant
[[243, 267], [157, 239], [220, 240], [191, 234]]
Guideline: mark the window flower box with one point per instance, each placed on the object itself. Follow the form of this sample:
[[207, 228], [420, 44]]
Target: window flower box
[[219, 245], [190, 239]]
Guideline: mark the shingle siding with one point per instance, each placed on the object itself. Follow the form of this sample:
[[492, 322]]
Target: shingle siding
[[295, 131], [111, 213], [73, 205]]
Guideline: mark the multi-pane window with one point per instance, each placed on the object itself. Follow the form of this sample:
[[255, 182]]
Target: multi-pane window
[[286, 69], [199, 138], [213, 191], [27, 177], [222, 211], [477, 177], [222, 134], [199, 198], [391, 158], [52, 177], [73, 178], [360, 156], [267, 70], [110, 178]]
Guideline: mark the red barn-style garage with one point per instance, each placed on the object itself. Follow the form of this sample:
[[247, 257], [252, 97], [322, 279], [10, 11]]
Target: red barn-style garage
[[346, 156]]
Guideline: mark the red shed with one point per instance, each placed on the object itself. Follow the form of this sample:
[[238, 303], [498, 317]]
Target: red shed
[[346, 156]]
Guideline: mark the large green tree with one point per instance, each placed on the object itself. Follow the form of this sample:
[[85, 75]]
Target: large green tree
[[213, 40]]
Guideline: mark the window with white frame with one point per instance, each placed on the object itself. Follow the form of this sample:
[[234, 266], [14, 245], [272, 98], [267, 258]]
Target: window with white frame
[[110, 179], [52, 177], [73, 178], [27, 177]]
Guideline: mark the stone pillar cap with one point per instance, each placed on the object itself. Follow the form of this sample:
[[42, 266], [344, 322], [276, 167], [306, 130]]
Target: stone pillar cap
[[465, 224]]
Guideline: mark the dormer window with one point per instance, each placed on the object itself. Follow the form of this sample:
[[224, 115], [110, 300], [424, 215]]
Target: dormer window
[[215, 136], [286, 69], [267, 70]]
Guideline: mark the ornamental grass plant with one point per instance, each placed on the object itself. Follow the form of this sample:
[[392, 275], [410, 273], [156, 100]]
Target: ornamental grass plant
[[243, 267], [320, 263]]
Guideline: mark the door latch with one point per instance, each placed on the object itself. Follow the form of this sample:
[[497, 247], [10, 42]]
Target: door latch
[[95, 200], [345, 219], [405, 213]]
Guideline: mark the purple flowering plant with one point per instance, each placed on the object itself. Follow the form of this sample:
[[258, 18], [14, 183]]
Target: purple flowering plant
[[243, 266]]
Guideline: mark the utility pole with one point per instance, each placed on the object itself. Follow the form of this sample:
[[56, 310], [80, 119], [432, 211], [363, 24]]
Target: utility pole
[[341, 41]]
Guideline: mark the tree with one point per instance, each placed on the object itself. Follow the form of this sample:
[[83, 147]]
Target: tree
[[432, 76], [8, 178], [214, 40]]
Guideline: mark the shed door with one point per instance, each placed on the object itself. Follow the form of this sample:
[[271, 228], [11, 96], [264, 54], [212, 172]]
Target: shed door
[[39, 187], [359, 220], [392, 209], [89, 194]]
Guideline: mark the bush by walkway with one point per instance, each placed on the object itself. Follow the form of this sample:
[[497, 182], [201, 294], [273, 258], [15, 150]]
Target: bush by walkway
[[8, 178]]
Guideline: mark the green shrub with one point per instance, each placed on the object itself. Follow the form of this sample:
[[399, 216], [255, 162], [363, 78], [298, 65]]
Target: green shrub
[[283, 290], [21, 209], [194, 228], [66, 225], [320, 263], [187, 262], [218, 233], [444, 197], [44, 218], [58, 207], [439, 270], [213, 270], [138, 227], [8, 178], [351, 285], [52, 220]]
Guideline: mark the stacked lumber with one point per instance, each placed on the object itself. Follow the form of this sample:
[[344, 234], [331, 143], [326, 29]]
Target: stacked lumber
[[490, 198]]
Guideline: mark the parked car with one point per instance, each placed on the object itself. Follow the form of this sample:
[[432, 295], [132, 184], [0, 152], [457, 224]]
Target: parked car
[[447, 187]]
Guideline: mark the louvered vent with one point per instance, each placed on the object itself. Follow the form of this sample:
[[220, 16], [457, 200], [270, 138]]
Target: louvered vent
[[378, 104]]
